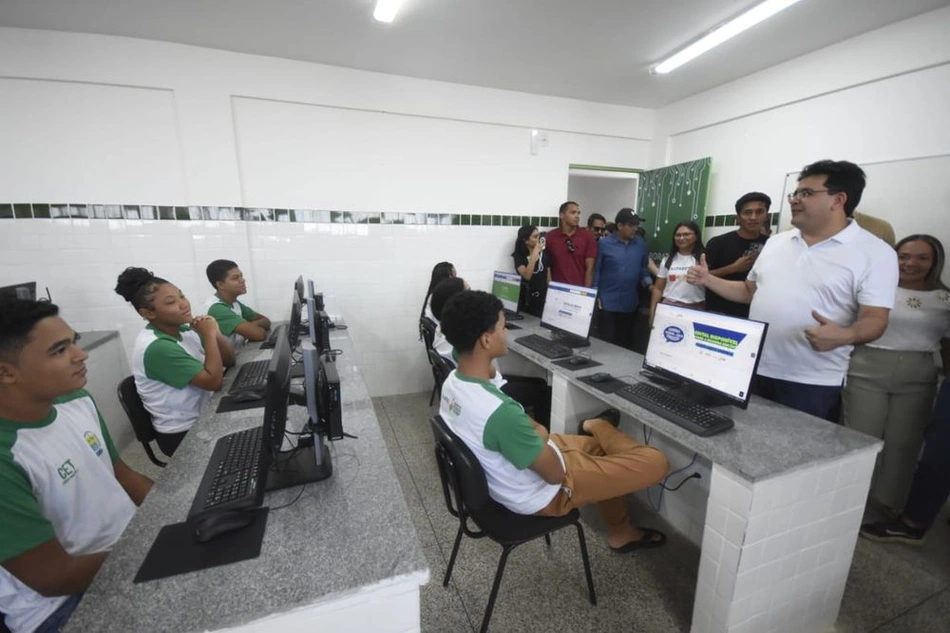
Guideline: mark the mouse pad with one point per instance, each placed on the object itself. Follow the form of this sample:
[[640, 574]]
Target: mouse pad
[[566, 364], [608, 386], [176, 552], [512, 326], [227, 403]]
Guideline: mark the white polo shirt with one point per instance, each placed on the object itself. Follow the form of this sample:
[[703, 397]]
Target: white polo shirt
[[835, 277]]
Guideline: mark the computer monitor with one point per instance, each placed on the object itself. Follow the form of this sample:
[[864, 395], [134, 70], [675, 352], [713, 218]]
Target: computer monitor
[[293, 328], [323, 389], [275, 399], [714, 355], [298, 288], [26, 290], [318, 323], [316, 296], [507, 287], [568, 311]]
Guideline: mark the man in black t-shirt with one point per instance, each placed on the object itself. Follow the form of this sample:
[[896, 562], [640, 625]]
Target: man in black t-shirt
[[731, 256]]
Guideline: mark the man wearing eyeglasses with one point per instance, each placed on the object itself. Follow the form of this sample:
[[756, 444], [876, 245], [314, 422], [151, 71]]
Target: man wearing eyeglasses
[[731, 256], [573, 250], [597, 224], [823, 287]]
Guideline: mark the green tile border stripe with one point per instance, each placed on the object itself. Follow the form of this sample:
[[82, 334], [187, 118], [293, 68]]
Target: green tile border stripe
[[68, 210]]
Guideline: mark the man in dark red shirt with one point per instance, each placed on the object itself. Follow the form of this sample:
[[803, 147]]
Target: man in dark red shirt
[[573, 250]]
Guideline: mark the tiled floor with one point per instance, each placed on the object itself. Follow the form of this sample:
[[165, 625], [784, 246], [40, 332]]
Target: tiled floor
[[892, 588]]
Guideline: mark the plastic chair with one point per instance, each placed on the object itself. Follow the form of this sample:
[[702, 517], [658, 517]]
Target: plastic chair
[[441, 369], [139, 417], [466, 497]]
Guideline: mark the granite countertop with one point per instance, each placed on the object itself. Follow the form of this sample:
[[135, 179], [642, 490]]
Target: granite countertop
[[344, 533], [769, 439], [93, 339]]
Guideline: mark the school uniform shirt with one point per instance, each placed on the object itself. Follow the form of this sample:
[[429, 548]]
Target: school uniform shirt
[[834, 278], [497, 430], [919, 320], [677, 288], [228, 317], [56, 481], [163, 367]]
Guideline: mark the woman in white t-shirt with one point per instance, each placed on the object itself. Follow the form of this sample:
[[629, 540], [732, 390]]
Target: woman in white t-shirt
[[178, 360], [671, 285], [892, 381]]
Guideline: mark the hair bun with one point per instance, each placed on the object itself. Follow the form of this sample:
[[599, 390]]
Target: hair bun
[[130, 280]]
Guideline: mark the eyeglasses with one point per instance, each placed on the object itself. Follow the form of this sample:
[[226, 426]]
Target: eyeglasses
[[805, 193], [599, 229], [569, 244], [683, 236]]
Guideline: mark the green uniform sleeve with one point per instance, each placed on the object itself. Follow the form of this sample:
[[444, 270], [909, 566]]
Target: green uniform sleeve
[[246, 312], [168, 362], [510, 432], [23, 526], [225, 317]]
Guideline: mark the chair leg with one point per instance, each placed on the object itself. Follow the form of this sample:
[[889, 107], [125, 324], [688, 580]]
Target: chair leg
[[151, 455], [495, 586], [547, 539], [455, 551], [590, 577]]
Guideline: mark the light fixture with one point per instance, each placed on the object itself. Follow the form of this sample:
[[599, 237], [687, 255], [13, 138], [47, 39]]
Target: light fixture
[[386, 10], [730, 29]]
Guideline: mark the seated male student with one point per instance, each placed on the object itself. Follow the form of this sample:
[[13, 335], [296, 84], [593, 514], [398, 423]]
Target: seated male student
[[530, 471], [65, 496], [235, 320]]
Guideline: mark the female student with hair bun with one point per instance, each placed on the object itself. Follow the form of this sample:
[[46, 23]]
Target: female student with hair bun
[[892, 381], [178, 360]]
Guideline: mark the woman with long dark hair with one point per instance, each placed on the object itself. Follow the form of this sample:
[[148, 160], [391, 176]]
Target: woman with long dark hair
[[671, 285], [533, 264], [440, 272], [892, 381]]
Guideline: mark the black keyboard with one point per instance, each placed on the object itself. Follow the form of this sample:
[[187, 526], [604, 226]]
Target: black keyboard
[[234, 477], [694, 417], [271, 341], [513, 316], [512, 326], [545, 346], [251, 376]]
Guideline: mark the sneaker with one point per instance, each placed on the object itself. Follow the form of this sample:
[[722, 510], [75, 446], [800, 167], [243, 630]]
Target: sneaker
[[893, 531]]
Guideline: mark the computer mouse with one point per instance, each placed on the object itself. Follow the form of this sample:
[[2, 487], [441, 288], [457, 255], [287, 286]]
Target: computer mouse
[[600, 376], [577, 360], [218, 523], [246, 396]]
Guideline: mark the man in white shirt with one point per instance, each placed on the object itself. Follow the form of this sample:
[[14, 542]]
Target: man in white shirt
[[822, 287]]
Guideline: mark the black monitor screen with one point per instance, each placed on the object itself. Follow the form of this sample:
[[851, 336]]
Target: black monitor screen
[[298, 288], [26, 290], [293, 329], [275, 400], [715, 352]]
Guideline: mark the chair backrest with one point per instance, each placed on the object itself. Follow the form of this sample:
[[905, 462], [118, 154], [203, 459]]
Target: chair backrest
[[427, 331], [140, 418], [462, 469], [441, 368]]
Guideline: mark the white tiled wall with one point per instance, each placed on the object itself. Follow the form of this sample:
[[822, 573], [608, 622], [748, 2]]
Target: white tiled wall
[[373, 276], [776, 554]]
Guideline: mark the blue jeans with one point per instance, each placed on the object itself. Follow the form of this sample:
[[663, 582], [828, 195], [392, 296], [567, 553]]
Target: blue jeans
[[60, 616], [818, 400], [931, 485]]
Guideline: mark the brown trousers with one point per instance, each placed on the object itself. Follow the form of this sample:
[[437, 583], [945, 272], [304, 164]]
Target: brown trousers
[[603, 469]]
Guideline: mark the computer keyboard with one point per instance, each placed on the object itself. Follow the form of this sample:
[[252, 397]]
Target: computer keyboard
[[694, 417], [271, 341], [545, 346], [513, 316], [251, 376], [234, 477]]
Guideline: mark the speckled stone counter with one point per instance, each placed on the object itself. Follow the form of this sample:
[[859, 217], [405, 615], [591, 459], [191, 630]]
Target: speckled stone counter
[[777, 508], [344, 556]]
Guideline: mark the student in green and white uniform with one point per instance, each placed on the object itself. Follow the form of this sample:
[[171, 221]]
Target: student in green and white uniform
[[177, 360], [236, 321], [65, 495]]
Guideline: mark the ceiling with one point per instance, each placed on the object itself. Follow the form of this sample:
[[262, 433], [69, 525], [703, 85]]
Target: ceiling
[[596, 50]]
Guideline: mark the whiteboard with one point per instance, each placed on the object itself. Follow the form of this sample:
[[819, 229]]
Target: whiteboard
[[913, 194]]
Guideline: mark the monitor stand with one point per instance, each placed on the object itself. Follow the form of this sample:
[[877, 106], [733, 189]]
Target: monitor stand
[[701, 396], [571, 340], [300, 465]]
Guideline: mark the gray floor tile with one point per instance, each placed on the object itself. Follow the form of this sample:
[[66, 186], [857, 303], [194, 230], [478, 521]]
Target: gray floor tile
[[442, 608], [934, 556], [881, 586], [933, 616]]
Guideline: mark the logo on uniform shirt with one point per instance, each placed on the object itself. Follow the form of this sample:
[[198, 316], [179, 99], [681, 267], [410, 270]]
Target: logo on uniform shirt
[[454, 407], [93, 443], [67, 471]]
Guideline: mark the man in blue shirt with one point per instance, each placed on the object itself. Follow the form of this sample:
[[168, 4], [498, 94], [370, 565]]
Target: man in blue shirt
[[622, 263]]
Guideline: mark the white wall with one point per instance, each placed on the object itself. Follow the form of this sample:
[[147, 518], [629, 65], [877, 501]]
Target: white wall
[[877, 97], [96, 120]]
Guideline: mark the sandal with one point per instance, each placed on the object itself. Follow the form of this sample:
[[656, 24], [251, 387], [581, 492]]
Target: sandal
[[611, 415], [647, 541]]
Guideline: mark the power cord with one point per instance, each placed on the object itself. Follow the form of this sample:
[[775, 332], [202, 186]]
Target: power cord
[[663, 487], [293, 501]]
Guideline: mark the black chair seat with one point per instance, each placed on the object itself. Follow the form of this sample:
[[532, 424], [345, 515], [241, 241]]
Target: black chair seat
[[139, 417], [507, 527]]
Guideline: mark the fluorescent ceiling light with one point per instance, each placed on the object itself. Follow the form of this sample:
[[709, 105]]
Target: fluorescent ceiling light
[[386, 10], [750, 18]]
